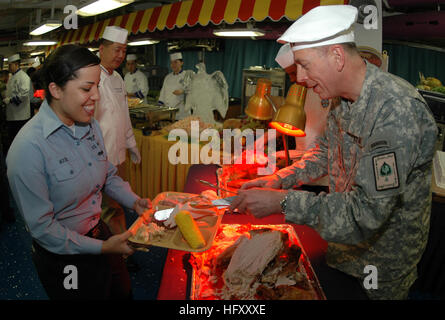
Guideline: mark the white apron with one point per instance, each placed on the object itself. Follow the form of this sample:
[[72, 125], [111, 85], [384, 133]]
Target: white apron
[[174, 82], [113, 116], [19, 85], [135, 82]]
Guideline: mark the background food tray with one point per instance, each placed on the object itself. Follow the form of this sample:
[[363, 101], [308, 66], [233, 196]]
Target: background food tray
[[305, 265], [173, 239]]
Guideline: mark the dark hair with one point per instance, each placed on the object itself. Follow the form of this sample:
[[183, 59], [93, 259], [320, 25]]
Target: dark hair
[[37, 80], [30, 71], [62, 65]]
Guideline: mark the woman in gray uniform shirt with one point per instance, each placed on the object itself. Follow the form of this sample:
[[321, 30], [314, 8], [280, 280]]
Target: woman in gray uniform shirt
[[57, 170]]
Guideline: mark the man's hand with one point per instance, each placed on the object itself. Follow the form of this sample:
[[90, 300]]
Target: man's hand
[[117, 244], [135, 156], [178, 92], [142, 205], [259, 202], [272, 181]]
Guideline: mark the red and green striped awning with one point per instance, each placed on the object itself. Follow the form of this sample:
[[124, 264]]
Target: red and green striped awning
[[196, 12]]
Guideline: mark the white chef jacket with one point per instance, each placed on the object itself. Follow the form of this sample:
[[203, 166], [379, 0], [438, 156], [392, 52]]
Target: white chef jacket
[[135, 82], [19, 85], [113, 116], [171, 83]]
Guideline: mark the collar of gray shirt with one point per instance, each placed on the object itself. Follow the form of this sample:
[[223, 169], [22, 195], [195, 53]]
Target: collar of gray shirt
[[51, 122]]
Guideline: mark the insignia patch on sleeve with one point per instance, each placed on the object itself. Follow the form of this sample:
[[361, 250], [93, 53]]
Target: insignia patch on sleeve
[[378, 144], [385, 171]]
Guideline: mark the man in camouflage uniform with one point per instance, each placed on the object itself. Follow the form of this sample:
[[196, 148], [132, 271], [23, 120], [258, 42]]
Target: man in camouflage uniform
[[377, 150]]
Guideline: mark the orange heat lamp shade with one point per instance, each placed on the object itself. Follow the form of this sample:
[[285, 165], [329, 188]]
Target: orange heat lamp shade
[[290, 119], [259, 106]]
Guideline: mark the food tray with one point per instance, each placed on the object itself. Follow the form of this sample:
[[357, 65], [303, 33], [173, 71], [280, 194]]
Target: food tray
[[305, 266], [153, 113], [173, 239], [133, 102]]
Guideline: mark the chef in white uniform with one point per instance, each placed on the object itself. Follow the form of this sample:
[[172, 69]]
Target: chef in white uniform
[[136, 82], [17, 98], [114, 118], [172, 92]]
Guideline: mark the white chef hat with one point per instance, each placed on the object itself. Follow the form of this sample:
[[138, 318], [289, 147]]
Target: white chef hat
[[285, 56], [175, 56], [115, 34], [14, 57], [36, 62], [131, 57], [323, 25]]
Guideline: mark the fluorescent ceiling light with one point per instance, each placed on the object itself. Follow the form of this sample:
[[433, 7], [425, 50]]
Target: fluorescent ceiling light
[[36, 43], [239, 32], [142, 42], [36, 53], [48, 26], [101, 6]]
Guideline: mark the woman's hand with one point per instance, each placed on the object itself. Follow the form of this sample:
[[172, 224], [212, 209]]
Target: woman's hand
[[117, 244], [142, 205]]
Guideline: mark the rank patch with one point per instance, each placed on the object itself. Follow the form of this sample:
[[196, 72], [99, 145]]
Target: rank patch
[[379, 144], [385, 171]]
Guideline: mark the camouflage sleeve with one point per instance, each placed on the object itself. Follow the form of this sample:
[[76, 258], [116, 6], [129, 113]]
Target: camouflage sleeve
[[310, 167], [389, 176]]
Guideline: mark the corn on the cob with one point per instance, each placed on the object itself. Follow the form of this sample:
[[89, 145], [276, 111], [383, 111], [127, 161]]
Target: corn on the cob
[[189, 229]]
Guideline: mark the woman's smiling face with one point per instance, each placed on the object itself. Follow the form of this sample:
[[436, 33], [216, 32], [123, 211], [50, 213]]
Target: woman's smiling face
[[75, 102]]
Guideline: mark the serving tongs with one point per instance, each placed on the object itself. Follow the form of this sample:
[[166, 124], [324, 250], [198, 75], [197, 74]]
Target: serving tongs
[[215, 186], [219, 202]]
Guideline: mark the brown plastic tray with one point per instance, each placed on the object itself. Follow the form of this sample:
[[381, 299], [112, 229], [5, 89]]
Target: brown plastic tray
[[173, 239]]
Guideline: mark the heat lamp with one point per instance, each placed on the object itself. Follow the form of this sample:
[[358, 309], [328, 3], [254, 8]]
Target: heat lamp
[[290, 118]]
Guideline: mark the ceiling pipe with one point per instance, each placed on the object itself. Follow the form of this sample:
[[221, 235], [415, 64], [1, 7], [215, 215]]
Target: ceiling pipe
[[424, 25], [26, 4], [38, 16], [52, 8], [413, 3]]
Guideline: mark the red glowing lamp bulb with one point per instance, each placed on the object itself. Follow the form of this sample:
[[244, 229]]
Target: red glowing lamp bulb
[[290, 119]]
